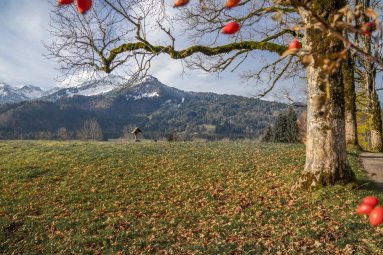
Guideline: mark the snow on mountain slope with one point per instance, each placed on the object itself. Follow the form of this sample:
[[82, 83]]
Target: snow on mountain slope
[[143, 95], [147, 87], [10, 95], [88, 88], [30, 91], [111, 85], [100, 86], [51, 91]]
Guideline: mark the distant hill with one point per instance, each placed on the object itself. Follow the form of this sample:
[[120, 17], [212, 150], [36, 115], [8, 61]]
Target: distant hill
[[157, 109]]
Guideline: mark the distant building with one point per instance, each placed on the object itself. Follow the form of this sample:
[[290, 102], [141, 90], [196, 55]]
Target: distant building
[[136, 132]]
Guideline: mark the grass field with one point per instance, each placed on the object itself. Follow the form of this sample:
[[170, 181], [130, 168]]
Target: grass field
[[173, 198]]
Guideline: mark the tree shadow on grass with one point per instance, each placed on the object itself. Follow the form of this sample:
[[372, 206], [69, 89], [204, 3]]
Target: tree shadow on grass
[[28, 173], [369, 185]]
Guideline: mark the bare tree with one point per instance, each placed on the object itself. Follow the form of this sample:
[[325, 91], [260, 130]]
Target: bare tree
[[369, 77], [320, 24], [91, 131], [83, 43], [63, 134], [348, 72]]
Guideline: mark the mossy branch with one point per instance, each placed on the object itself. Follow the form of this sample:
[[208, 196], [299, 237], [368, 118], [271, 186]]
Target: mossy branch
[[205, 50]]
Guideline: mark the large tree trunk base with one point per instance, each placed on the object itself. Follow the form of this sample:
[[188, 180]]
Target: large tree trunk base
[[313, 180], [326, 157], [376, 141]]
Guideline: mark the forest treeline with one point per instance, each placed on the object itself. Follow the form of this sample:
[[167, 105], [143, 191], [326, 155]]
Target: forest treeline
[[201, 115]]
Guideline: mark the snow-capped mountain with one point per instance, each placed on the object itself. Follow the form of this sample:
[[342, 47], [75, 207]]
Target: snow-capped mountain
[[50, 91], [110, 86], [147, 87], [100, 86], [88, 88], [138, 88], [9, 94], [31, 92]]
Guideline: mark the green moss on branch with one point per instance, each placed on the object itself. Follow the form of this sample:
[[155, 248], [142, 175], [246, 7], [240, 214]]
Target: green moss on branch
[[208, 51]]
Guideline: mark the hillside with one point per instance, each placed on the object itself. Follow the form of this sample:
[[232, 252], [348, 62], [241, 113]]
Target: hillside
[[173, 198], [147, 103]]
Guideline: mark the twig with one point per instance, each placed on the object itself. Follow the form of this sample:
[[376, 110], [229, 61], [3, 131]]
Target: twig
[[340, 36]]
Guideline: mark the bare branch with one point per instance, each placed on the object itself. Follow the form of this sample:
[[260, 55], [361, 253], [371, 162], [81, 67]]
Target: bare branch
[[276, 79]]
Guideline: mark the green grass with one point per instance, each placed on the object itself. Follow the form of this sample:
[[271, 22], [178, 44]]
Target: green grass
[[173, 198]]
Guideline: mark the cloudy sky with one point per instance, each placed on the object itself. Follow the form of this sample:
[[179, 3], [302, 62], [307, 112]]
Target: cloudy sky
[[23, 28]]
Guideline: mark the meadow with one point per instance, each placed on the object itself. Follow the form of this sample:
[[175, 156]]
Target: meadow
[[174, 198]]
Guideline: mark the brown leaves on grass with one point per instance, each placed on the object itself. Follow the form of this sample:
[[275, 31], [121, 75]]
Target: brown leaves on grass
[[182, 198]]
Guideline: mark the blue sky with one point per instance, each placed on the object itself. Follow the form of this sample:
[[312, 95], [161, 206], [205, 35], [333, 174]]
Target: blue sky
[[23, 28]]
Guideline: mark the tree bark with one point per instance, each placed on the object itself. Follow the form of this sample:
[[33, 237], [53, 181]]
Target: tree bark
[[374, 113], [350, 98], [373, 104], [326, 157]]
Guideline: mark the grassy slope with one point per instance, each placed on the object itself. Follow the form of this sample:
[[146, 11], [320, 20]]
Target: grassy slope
[[180, 198]]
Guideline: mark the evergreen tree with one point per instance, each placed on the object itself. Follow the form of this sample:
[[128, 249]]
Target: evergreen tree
[[268, 136], [292, 126], [280, 128], [285, 129]]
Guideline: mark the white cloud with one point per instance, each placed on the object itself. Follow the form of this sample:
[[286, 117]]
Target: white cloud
[[23, 28], [172, 73]]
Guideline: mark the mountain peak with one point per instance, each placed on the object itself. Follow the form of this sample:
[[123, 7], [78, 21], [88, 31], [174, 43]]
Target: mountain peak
[[148, 78], [92, 87], [3, 84], [146, 86], [30, 87], [31, 91], [10, 95], [110, 79]]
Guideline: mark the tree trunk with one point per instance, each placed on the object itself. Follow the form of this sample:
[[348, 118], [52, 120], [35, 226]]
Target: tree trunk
[[326, 157], [375, 119], [350, 98], [373, 105]]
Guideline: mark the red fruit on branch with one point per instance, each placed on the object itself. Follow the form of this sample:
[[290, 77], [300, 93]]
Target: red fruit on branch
[[364, 209], [376, 216], [231, 28], [367, 28], [367, 33], [295, 44], [84, 5], [371, 200], [65, 2], [232, 3], [179, 3]]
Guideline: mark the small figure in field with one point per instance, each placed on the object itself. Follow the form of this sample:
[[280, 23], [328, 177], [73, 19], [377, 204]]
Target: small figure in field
[[136, 132]]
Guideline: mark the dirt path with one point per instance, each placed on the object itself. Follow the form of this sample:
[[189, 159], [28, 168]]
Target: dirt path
[[373, 164]]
